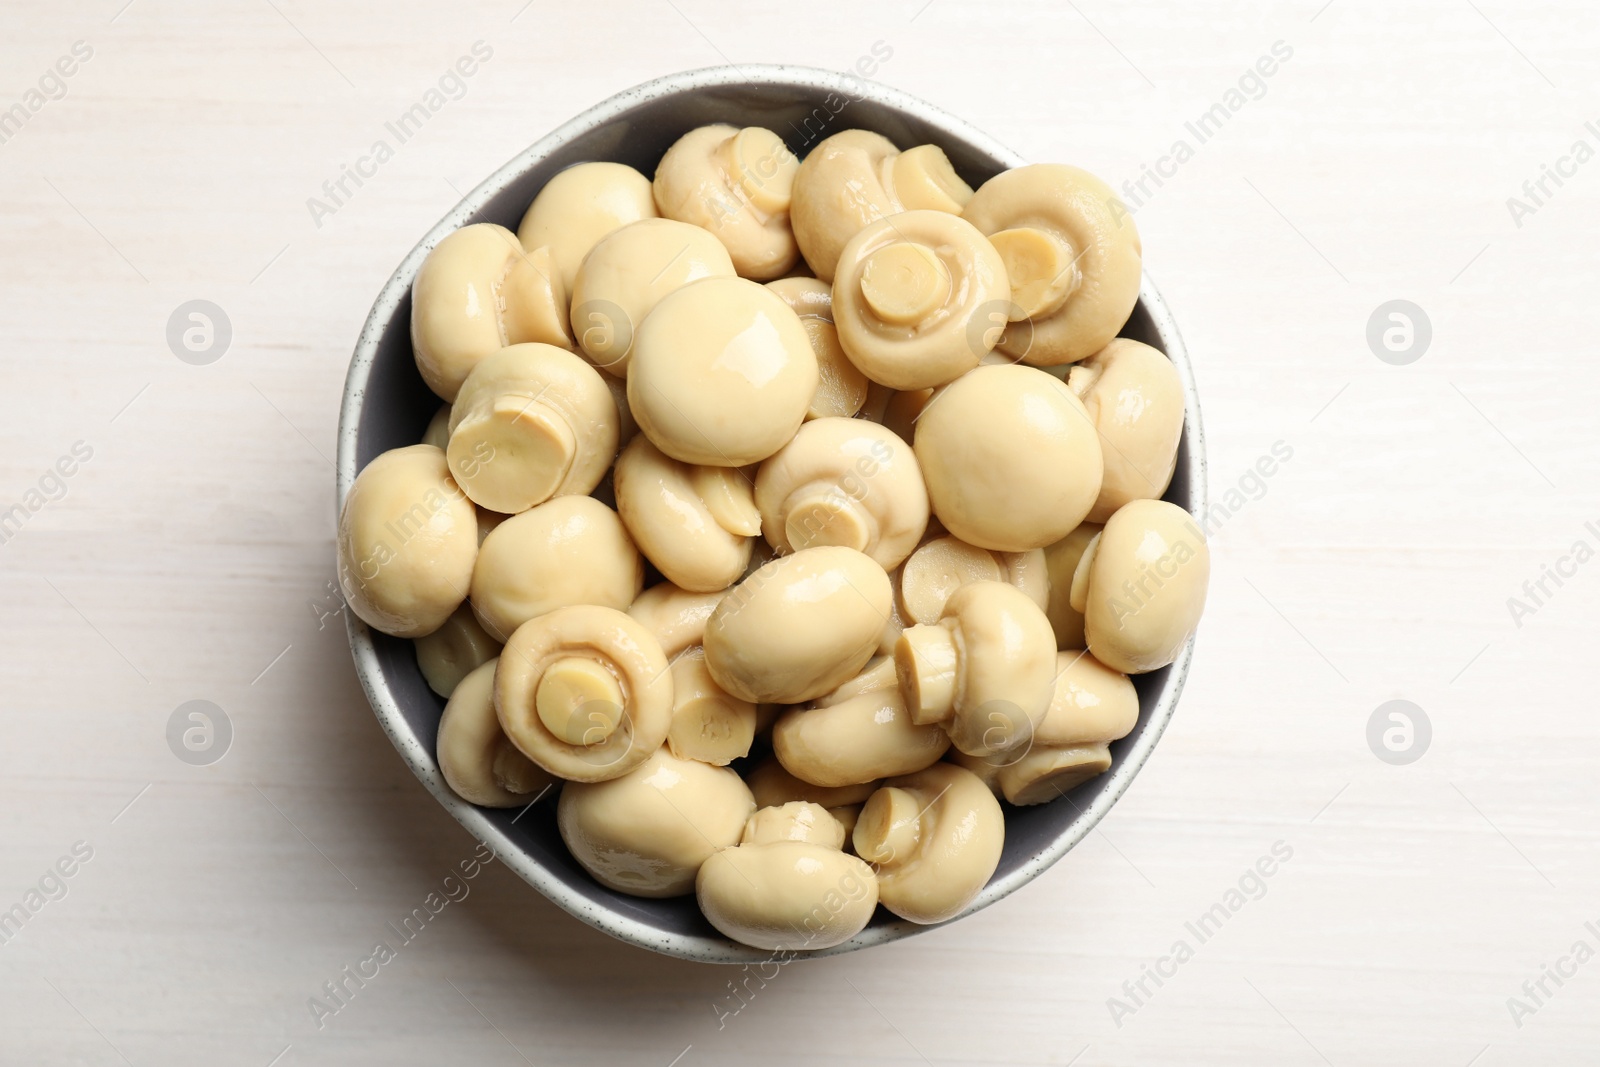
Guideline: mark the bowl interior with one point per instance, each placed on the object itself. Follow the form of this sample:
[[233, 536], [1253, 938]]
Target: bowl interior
[[388, 406]]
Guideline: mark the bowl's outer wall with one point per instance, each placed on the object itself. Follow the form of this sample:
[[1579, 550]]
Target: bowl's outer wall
[[388, 406]]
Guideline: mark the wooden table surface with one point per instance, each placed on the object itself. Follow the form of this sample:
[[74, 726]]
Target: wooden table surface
[[1413, 910]]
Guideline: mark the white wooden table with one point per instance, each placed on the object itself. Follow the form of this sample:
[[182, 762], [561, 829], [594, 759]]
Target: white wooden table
[[188, 556]]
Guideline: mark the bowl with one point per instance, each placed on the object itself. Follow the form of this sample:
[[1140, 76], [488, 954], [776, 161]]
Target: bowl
[[386, 405]]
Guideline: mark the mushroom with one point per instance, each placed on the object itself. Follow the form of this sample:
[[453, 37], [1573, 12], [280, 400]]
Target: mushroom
[[570, 550], [736, 184], [408, 540], [772, 786], [843, 389], [1135, 400], [578, 207], [941, 566], [477, 292], [1071, 252], [454, 650], [856, 739], [647, 833], [584, 692], [1061, 560], [1042, 774], [438, 432], [1011, 459], [695, 523], [799, 626], [707, 724], [912, 299], [531, 422], [855, 178], [722, 373], [476, 759], [787, 885], [844, 482], [627, 274], [1092, 706], [986, 669], [1141, 586], [934, 838], [675, 616]]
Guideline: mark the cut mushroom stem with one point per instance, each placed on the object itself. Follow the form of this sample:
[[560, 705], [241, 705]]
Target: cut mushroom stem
[[887, 827], [708, 724]]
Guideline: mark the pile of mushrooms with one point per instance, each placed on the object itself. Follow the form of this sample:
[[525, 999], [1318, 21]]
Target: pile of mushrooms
[[795, 518]]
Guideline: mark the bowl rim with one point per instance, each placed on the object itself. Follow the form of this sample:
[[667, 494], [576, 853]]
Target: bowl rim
[[420, 758]]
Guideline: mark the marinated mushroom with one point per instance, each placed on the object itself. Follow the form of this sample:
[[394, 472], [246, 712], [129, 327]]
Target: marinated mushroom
[[855, 740], [855, 178], [910, 298], [1072, 255], [1043, 774], [695, 523], [1135, 400], [1061, 560], [844, 482], [531, 422], [408, 540], [799, 626], [842, 389], [934, 838], [941, 566], [1092, 706], [1141, 586], [647, 832], [454, 650], [584, 692], [722, 373], [735, 184], [675, 616], [476, 759], [477, 292], [1010, 457], [578, 207], [986, 669], [627, 274], [570, 550], [783, 889], [707, 724], [773, 786]]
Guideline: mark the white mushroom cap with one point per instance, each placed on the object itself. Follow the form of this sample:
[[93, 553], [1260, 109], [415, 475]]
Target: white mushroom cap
[[584, 692], [935, 838], [788, 895], [477, 760], [1071, 252], [675, 616], [454, 650], [580, 206], [913, 299], [736, 184], [799, 626], [1141, 586], [570, 550], [844, 482], [695, 523], [627, 274], [1091, 703], [986, 669], [477, 292], [857, 740], [408, 540], [1010, 458], [1061, 560], [1132, 394], [531, 422], [941, 566], [722, 373], [647, 833], [842, 389]]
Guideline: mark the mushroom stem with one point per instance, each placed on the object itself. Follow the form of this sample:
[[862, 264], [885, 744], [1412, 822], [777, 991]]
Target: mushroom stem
[[922, 178], [888, 827], [925, 661], [1042, 268], [579, 701], [824, 514], [514, 449], [903, 283], [1078, 596]]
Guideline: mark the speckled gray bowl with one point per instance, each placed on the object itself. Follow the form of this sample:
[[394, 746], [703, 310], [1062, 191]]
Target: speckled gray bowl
[[386, 406]]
